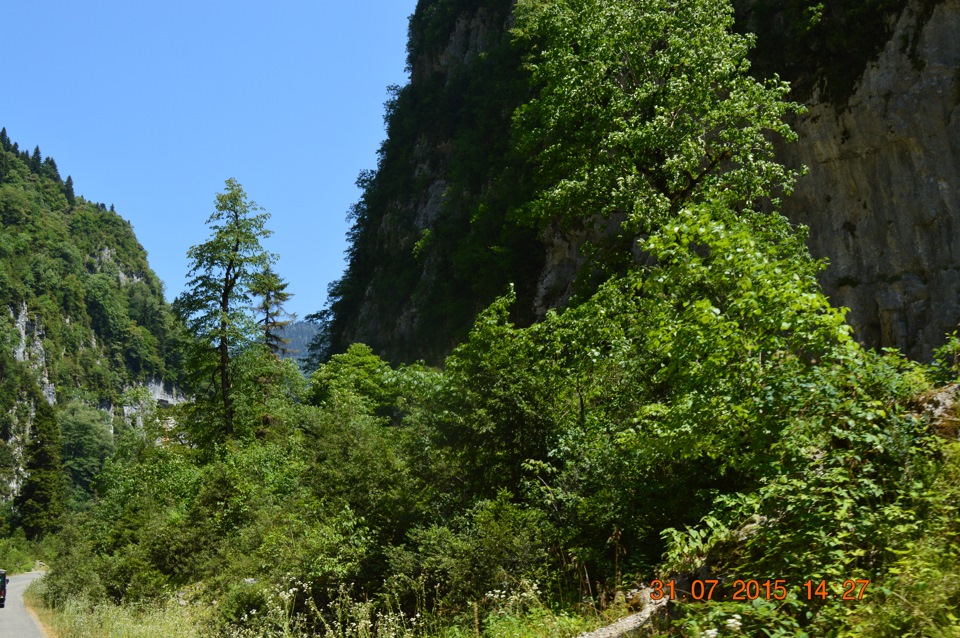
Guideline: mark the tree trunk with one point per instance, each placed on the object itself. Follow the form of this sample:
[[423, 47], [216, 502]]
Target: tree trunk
[[229, 279]]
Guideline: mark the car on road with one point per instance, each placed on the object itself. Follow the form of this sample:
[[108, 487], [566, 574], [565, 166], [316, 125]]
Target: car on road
[[3, 588]]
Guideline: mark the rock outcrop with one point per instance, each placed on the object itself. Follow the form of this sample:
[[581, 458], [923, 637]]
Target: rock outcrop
[[882, 197]]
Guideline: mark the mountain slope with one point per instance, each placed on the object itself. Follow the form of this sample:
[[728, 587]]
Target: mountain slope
[[82, 316]]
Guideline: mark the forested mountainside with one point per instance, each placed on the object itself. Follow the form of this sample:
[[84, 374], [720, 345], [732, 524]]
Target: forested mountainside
[[697, 433], [443, 225], [83, 317]]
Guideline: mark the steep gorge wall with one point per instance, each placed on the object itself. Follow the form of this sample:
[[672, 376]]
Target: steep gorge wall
[[882, 197], [432, 242]]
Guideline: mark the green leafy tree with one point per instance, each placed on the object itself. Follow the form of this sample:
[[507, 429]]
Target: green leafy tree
[[216, 306], [642, 108], [359, 371], [86, 443], [40, 501]]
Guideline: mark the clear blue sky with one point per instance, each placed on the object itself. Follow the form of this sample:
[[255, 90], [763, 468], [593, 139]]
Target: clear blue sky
[[151, 105]]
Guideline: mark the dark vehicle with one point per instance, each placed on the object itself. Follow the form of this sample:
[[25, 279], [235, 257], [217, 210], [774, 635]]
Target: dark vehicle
[[3, 588]]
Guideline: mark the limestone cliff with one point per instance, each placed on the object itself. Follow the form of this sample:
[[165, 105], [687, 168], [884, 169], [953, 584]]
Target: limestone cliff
[[434, 239], [882, 197]]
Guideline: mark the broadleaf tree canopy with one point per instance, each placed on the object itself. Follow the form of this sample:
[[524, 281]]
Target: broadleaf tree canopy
[[643, 107]]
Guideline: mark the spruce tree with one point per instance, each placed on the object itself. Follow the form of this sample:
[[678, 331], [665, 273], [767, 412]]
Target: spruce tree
[[36, 160], [49, 169], [270, 288], [68, 190], [40, 502]]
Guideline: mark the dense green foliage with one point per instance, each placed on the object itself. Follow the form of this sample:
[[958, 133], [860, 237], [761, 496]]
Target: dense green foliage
[[717, 386], [699, 411], [642, 108], [703, 411], [84, 319]]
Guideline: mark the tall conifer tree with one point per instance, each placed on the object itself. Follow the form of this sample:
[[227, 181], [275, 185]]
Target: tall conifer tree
[[216, 305], [68, 190], [271, 289], [36, 160], [40, 501]]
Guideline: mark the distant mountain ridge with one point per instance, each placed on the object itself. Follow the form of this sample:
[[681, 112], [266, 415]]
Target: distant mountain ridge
[[300, 334]]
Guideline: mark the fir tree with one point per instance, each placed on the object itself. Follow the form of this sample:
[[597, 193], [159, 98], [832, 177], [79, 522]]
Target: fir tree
[[50, 170], [68, 190], [40, 502], [36, 160], [270, 288], [216, 305]]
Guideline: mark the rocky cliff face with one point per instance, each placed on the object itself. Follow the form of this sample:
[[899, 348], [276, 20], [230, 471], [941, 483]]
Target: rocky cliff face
[[432, 242], [882, 197]]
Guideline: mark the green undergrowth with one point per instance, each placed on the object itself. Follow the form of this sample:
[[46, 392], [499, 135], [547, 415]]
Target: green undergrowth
[[915, 591], [521, 614], [18, 555]]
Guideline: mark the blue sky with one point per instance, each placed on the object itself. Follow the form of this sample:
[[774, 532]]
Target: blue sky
[[151, 106]]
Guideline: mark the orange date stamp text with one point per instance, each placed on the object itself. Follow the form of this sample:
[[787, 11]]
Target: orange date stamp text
[[746, 590]]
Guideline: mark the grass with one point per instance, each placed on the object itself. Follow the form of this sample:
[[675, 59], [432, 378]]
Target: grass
[[346, 619], [77, 619]]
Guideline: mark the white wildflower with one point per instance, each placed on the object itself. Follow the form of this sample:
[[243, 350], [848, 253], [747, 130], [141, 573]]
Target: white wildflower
[[733, 624]]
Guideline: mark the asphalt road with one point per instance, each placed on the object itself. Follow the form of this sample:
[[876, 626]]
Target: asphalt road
[[15, 620]]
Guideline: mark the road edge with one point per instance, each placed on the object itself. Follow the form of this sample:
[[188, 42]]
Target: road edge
[[44, 627]]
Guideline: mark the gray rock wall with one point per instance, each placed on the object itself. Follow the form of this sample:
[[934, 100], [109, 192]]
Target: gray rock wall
[[881, 197]]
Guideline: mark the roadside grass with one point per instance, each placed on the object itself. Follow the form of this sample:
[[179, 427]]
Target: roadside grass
[[77, 619]]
